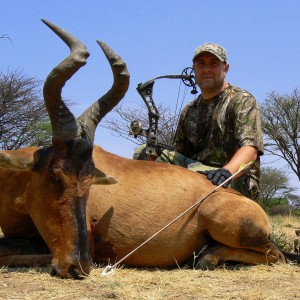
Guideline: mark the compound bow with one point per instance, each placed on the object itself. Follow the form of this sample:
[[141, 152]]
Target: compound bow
[[153, 148]]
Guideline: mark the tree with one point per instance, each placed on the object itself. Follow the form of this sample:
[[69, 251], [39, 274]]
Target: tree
[[294, 200], [120, 125], [5, 36], [281, 127], [23, 116], [273, 185]]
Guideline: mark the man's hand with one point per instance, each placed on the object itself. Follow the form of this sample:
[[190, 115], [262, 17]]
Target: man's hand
[[218, 176]]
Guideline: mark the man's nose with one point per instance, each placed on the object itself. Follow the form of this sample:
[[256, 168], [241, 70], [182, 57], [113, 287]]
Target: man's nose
[[207, 69]]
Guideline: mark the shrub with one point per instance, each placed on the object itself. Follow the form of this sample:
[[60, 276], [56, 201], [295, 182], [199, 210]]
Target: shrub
[[283, 210]]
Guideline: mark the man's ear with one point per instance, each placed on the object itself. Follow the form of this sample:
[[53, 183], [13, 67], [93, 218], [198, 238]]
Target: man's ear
[[227, 67], [102, 178]]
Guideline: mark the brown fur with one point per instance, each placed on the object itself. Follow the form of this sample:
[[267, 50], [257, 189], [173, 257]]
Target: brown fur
[[148, 195]]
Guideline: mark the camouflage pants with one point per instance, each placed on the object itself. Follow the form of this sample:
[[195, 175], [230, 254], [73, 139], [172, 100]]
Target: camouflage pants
[[247, 184]]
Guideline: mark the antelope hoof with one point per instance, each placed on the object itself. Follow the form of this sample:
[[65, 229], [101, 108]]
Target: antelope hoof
[[208, 262]]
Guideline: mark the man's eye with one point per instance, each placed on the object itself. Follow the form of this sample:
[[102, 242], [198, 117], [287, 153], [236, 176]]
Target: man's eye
[[214, 64]]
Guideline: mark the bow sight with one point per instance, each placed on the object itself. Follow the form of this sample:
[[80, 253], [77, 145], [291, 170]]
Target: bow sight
[[153, 148]]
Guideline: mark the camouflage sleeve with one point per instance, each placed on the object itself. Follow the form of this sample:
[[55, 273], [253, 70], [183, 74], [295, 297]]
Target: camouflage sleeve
[[182, 143], [247, 118]]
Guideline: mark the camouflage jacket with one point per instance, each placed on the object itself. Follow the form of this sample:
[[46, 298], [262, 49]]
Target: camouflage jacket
[[212, 131]]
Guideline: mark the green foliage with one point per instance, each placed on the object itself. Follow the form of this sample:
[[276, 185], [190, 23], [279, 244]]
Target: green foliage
[[281, 127], [296, 212], [23, 115], [283, 231], [41, 133], [279, 237], [274, 187], [283, 210], [282, 206], [276, 201]]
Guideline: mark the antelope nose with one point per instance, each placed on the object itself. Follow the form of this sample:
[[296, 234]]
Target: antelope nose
[[80, 270]]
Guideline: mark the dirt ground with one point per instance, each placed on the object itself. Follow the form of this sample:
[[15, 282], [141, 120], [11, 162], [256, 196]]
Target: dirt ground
[[280, 281], [240, 282]]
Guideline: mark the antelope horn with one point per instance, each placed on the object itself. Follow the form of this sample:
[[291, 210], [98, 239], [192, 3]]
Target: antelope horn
[[63, 123], [93, 115]]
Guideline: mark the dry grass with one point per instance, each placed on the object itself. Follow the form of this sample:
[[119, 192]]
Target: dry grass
[[240, 282], [259, 282], [284, 228]]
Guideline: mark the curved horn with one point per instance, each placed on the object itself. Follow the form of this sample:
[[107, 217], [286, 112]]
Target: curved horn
[[93, 115], [63, 123]]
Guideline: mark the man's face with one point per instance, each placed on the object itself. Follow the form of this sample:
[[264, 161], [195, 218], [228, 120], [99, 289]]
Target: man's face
[[210, 72]]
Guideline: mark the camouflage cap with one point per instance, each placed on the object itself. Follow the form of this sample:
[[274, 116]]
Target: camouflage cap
[[215, 49]]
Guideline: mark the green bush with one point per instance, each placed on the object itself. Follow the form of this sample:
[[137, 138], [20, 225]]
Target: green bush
[[280, 237], [296, 212], [283, 210]]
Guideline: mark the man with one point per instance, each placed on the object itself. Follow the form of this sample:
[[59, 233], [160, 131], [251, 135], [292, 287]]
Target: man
[[220, 130]]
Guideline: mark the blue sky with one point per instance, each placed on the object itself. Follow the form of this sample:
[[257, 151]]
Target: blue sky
[[155, 37]]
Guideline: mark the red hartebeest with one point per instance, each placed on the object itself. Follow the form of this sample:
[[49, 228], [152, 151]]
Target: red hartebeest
[[60, 195]]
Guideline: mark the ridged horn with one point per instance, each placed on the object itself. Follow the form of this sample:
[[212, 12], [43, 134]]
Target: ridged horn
[[93, 115], [63, 123]]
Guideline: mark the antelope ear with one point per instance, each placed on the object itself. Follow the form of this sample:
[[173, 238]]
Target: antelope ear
[[16, 162], [102, 178]]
